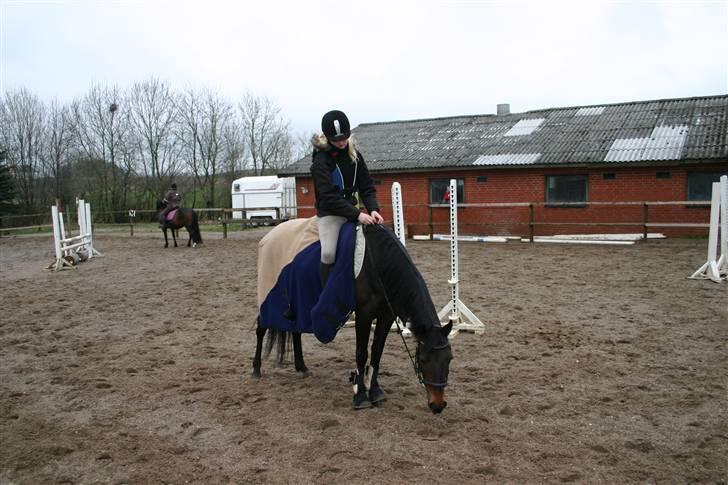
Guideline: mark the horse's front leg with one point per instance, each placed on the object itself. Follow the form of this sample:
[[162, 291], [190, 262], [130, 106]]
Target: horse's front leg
[[166, 241], [174, 238], [363, 329], [384, 323], [260, 335], [298, 356]]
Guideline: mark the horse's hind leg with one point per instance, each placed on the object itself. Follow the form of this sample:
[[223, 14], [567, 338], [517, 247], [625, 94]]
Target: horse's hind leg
[[298, 356], [259, 334]]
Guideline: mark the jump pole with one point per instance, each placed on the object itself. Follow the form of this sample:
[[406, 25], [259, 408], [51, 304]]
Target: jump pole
[[398, 222], [457, 312], [716, 266], [398, 212]]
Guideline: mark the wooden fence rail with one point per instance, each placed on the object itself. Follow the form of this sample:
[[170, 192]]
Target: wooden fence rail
[[228, 216]]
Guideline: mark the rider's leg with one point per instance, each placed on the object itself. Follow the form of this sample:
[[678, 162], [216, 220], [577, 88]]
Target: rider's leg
[[328, 227]]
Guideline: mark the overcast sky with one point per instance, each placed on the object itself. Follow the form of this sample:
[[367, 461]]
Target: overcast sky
[[377, 61]]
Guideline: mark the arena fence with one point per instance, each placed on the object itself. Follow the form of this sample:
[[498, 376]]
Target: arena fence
[[524, 219]]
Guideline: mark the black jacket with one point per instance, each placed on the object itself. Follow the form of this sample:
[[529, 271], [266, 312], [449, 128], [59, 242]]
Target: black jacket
[[331, 165]]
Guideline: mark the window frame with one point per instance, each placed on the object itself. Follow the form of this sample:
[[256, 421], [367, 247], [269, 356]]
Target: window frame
[[460, 188], [566, 203], [689, 180]]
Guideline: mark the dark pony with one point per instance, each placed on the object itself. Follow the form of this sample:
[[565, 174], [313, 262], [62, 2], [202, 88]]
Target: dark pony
[[388, 286], [184, 217]]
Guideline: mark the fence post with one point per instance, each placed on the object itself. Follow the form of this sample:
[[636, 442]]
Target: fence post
[[132, 214], [429, 218], [531, 225], [645, 210]]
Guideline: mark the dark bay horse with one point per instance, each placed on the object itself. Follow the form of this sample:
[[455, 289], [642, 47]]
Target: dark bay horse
[[184, 217], [388, 286]]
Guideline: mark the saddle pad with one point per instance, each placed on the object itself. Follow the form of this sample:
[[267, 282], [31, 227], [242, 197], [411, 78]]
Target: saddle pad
[[171, 214], [288, 280]]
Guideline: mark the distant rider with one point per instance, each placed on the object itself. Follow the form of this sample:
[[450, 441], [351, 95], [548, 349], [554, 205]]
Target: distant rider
[[172, 199]]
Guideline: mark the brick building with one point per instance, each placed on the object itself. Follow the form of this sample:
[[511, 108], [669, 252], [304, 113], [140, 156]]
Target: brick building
[[606, 168]]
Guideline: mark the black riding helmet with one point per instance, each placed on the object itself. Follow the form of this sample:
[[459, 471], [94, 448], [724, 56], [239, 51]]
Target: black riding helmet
[[335, 126]]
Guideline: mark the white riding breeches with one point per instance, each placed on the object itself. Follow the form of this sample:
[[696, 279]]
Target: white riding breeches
[[329, 228]]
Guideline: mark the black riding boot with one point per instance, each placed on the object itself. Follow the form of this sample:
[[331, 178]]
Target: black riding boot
[[324, 270]]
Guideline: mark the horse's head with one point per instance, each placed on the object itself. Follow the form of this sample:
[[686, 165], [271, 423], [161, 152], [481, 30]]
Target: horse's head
[[433, 364]]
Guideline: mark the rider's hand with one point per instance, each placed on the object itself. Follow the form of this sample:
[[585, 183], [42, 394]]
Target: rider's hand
[[378, 219], [365, 218]]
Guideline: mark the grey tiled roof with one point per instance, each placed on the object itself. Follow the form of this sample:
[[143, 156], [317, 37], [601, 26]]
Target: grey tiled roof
[[636, 132]]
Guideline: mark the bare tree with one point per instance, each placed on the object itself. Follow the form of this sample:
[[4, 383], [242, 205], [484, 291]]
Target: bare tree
[[265, 133], [206, 127], [301, 146], [188, 132], [22, 115], [100, 128], [153, 114], [233, 156], [59, 138]]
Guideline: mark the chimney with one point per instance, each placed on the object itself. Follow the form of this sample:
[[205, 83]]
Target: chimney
[[504, 109]]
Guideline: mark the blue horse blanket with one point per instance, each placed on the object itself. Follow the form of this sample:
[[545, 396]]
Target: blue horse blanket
[[296, 287]]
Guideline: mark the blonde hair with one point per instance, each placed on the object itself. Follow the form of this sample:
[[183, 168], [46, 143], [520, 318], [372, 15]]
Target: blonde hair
[[320, 141], [353, 154]]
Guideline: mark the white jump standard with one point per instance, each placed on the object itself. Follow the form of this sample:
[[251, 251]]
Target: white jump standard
[[716, 267], [398, 222], [70, 250], [461, 317]]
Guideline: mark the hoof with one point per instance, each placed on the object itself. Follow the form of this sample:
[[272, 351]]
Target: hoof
[[304, 373], [361, 402], [376, 395], [255, 374]]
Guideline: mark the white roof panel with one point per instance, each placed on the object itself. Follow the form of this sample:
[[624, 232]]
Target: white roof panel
[[591, 111], [525, 127], [508, 159], [665, 143]]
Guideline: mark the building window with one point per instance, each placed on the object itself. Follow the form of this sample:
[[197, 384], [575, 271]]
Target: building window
[[482, 178], [700, 185], [663, 175], [609, 176], [439, 191], [236, 187], [570, 189], [377, 181]]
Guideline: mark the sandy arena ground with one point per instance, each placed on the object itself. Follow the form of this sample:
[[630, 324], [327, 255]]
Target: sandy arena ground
[[599, 364]]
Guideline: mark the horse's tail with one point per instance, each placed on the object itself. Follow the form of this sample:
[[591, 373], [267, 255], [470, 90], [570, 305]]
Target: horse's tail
[[196, 234], [281, 340]]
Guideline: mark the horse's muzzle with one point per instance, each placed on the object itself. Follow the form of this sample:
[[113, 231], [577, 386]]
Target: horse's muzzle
[[437, 408], [436, 399]]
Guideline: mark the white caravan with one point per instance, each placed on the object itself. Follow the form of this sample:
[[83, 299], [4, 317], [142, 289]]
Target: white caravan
[[264, 197]]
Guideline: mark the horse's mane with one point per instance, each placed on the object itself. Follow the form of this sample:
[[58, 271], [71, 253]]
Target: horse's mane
[[404, 285]]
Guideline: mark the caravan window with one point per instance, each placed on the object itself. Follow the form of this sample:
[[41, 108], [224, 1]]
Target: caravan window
[[236, 187]]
